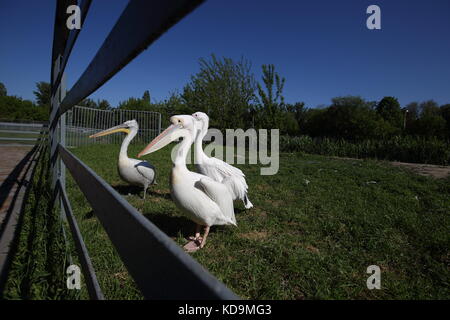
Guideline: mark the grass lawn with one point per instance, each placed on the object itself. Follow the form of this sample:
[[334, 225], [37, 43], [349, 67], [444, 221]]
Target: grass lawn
[[315, 228], [19, 135]]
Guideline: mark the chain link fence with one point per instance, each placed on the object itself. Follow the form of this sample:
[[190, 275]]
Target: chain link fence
[[81, 122]]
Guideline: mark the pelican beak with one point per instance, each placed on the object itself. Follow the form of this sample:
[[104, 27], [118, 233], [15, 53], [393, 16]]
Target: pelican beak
[[172, 133], [119, 128]]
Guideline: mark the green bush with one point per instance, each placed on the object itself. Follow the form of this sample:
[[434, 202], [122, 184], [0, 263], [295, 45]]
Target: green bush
[[397, 148]]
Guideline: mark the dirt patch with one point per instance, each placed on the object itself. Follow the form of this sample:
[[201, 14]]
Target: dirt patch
[[276, 203], [262, 187], [428, 170], [256, 235], [312, 249]]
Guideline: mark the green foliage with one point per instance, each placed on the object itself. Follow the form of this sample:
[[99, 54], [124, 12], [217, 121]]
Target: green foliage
[[271, 100], [224, 89], [146, 96], [41, 256], [389, 109], [429, 108], [134, 104], [43, 93], [398, 148], [430, 125], [3, 91], [413, 111], [88, 103], [350, 118], [103, 104], [15, 108], [445, 112]]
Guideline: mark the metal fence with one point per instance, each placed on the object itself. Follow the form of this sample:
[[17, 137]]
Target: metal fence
[[21, 133], [160, 268], [81, 122]]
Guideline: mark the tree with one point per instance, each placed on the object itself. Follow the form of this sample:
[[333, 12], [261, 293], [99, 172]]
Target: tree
[[298, 111], [272, 101], [131, 104], [389, 109], [445, 112], [430, 125], [88, 103], [352, 118], [3, 91], [426, 119], [43, 93], [428, 108], [15, 108], [146, 96], [103, 104], [271, 97], [224, 89], [413, 111]]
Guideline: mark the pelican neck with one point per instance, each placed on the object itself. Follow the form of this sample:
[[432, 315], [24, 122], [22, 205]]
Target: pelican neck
[[125, 143], [183, 149]]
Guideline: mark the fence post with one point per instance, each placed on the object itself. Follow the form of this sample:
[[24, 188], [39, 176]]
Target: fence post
[[159, 124], [53, 134], [62, 138]]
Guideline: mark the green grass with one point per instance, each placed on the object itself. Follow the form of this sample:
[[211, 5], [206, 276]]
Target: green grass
[[315, 228], [19, 135], [40, 256], [397, 148]]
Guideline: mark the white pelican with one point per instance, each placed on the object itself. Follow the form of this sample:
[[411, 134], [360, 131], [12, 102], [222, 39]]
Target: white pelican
[[133, 171], [203, 200], [217, 169]]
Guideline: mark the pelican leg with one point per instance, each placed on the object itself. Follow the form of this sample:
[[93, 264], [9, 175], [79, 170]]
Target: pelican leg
[[197, 234], [195, 242], [204, 237], [145, 190]]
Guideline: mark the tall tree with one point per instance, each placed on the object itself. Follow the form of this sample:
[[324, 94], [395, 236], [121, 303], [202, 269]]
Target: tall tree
[[146, 96], [224, 89], [353, 118], [445, 112], [103, 104], [389, 109], [89, 103], [3, 91], [271, 97], [43, 93], [413, 111], [428, 108]]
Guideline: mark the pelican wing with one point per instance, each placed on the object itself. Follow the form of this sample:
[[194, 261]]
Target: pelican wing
[[220, 195], [223, 168], [225, 173], [218, 168], [146, 170]]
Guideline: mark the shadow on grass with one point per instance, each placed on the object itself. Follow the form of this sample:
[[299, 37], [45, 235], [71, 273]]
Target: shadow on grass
[[88, 215], [138, 191], [172, 226], [156, 194], [128, 189]]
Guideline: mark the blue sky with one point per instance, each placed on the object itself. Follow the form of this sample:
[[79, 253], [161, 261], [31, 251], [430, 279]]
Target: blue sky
[[322, 48]]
